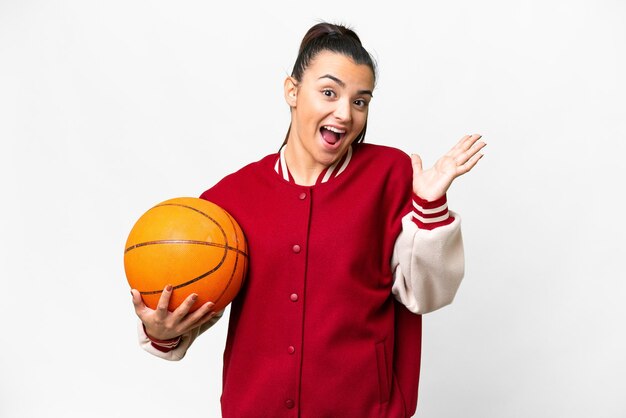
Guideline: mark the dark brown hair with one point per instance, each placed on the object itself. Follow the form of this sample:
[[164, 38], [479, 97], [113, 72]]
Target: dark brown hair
[[335, 38]]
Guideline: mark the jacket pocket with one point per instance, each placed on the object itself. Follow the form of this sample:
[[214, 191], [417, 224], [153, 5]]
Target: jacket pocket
[[383, 372]]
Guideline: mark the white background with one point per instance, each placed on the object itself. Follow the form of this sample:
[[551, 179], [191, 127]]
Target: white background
[[107, 108]]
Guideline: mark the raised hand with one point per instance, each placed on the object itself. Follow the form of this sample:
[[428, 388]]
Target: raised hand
[[163, 324], [431, 184]]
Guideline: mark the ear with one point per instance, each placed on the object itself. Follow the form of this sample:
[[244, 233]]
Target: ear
[[291, 91]]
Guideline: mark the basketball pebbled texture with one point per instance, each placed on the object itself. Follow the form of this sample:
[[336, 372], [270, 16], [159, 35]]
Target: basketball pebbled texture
[[193, 245]]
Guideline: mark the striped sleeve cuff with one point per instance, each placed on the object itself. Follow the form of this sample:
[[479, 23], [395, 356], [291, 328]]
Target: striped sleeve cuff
[[430, 215], [164, 346]]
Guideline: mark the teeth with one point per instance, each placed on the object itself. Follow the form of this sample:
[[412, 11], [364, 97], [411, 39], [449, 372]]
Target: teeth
[[333, 129]]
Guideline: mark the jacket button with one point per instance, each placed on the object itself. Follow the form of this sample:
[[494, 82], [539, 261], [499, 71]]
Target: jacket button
[[291, 349], [289, 403], [302, 196], [296, 248], [294, 297]]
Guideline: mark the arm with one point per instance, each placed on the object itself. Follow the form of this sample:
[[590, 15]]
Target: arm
[[176, 348], [169, 334], [428, 260]]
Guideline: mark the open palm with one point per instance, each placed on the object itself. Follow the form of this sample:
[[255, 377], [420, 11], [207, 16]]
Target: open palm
[[431, 184]]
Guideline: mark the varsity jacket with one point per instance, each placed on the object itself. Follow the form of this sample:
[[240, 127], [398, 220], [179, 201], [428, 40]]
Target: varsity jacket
[[326, 323]]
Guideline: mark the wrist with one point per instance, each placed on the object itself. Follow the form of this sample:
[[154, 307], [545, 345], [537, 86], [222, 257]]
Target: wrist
[[163, 344], [431, 214]]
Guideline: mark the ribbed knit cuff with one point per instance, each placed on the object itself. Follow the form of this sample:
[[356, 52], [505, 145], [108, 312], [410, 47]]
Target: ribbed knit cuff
[[431, 215], [165, 346]]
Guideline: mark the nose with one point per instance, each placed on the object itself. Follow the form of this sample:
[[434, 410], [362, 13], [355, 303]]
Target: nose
[[343, 110]]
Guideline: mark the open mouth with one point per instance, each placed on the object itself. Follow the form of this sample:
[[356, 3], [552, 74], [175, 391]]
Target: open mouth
[[332, 135]]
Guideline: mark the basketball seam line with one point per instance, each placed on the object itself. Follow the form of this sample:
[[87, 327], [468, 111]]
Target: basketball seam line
[[226, 247], [183, 241]]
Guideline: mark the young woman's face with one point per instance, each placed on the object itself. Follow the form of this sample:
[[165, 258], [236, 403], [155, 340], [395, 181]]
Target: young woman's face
[[329, 107]]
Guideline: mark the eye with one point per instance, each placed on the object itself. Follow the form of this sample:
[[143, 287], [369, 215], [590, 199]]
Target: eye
[[328, 93], [360, 102]]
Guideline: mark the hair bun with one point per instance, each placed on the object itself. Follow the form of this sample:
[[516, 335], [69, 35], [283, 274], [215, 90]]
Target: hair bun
[[330, 37]]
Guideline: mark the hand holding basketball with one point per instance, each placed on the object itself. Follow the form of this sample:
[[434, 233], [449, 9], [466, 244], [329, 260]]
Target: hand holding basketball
[[162, 324], [185, 260], [192, 245]]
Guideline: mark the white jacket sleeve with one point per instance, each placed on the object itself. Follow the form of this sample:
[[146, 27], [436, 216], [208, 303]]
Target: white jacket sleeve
[[187, 339], [428, 260]]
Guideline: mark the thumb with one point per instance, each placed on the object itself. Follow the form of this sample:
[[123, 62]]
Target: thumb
[[416, 162], [137, 301]]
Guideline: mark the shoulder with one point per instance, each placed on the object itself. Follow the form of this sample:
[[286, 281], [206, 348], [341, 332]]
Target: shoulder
[[381, 152], [262, 165], [388, 173], [382, 157], [243, 177], [251, 170]]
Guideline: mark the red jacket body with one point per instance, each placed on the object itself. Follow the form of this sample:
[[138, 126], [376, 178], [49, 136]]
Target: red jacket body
[[316, 332]]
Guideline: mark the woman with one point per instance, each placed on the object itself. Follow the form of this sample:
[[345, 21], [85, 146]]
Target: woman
[[348, 242]]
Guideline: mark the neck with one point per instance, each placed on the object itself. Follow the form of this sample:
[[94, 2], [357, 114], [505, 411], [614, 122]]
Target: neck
[[304, 173]]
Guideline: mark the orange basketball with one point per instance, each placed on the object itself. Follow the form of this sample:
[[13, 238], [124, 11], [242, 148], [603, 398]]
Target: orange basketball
[[193, 245]]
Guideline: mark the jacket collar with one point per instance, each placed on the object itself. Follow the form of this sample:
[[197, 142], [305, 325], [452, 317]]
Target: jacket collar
[[329, 173]]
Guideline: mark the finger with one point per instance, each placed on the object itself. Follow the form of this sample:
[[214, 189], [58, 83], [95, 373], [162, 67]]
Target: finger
[[164, 301], [470, 164], [459, 143], [416, 162], [138, 303], [470, 141], [209, 316], [206, 318], [200, 316], [467, 155], [459, 147], [183, 308]]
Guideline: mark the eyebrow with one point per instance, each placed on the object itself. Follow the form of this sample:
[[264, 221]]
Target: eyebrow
[[342, 84]]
